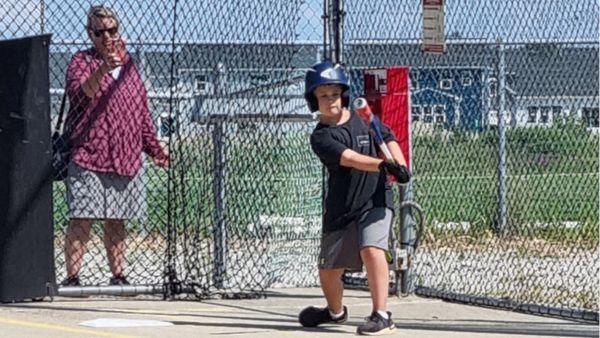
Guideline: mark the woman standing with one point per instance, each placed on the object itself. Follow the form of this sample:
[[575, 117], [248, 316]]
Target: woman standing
[[110, 126]]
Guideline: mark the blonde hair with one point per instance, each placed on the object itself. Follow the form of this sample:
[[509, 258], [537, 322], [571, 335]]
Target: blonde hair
[[101, 11]]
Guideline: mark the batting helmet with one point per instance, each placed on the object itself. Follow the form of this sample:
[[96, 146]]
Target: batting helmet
[[325, 73]]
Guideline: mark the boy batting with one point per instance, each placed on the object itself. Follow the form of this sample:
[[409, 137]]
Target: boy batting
[[358, 203]]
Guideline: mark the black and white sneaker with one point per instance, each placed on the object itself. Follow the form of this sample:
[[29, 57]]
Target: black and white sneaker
[[71, 281], [376, 325], [314, 316], [118, 280]]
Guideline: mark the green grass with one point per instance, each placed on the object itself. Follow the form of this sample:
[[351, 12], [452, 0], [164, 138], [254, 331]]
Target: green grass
[[454, 199], [59, 204], [552, 178]]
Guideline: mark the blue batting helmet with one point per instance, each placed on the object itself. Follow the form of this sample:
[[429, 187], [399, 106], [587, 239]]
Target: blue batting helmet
[[324, 73]]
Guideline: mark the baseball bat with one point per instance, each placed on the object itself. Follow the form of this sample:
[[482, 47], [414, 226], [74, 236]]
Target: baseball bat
[[364, 111]]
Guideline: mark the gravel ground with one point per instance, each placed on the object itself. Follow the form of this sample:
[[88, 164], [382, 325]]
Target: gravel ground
[[554, 277]]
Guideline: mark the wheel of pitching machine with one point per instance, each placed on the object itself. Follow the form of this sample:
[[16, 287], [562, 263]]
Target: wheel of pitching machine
[[402, 275]]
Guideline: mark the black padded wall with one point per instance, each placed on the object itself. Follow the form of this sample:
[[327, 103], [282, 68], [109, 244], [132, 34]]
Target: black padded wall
[[26, 230]]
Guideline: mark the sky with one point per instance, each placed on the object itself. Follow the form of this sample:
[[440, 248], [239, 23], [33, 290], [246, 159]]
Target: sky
[[510, 20], [300, 20]]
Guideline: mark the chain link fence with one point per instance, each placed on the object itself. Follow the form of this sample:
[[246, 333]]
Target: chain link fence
[[511, 204], [512, 207], [223, 83]]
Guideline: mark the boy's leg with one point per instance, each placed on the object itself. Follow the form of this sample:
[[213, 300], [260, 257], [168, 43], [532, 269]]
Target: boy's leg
[[334, 254], [377, 275], [375, 229], [334, 312], [333, 288]]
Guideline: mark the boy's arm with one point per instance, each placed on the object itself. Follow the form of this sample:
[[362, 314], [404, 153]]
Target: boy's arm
[[391, 141], [357, 161], [396, 152], [352, 159]]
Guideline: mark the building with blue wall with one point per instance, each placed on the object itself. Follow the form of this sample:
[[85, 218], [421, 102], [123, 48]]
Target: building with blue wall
[[454, 98]]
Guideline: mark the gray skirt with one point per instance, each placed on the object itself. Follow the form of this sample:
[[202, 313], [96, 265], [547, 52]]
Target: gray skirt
[[95, 195]]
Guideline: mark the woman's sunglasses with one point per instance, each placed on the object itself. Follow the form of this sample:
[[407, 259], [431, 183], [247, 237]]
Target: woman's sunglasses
[[111, 31]]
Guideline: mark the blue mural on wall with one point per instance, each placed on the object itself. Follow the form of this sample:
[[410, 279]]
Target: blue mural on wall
[[454, 97]]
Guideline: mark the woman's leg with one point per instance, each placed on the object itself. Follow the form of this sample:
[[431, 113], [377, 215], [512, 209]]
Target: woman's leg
[[78, 234], [114, 241]]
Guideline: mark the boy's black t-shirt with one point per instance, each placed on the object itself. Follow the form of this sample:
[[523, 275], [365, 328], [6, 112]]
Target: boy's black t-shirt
[[350, 192]]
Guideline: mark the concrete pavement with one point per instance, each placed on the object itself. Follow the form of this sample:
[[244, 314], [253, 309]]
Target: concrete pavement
[[275, 316]]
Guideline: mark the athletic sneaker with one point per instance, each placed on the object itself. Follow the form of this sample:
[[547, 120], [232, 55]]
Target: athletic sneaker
[[71, 281], [118, 280], [376, 325], [314, 316]]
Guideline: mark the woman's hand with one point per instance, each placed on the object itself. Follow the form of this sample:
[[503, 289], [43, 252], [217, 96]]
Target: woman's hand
[[163, 160], [112, 60], [113, 55]]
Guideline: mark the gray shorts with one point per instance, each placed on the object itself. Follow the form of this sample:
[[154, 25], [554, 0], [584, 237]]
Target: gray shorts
[[95, 195], [341, 249]]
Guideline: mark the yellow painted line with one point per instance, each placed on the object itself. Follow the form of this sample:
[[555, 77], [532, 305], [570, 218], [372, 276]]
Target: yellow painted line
[[61, 328]]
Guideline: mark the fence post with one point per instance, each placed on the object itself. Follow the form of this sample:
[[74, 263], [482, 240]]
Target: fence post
[[326, 50], [337, 29], [219, 231], [42, 15], [501, 217]]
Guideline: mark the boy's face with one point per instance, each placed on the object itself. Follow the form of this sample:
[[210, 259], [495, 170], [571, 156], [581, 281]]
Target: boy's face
[[330, 99]]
